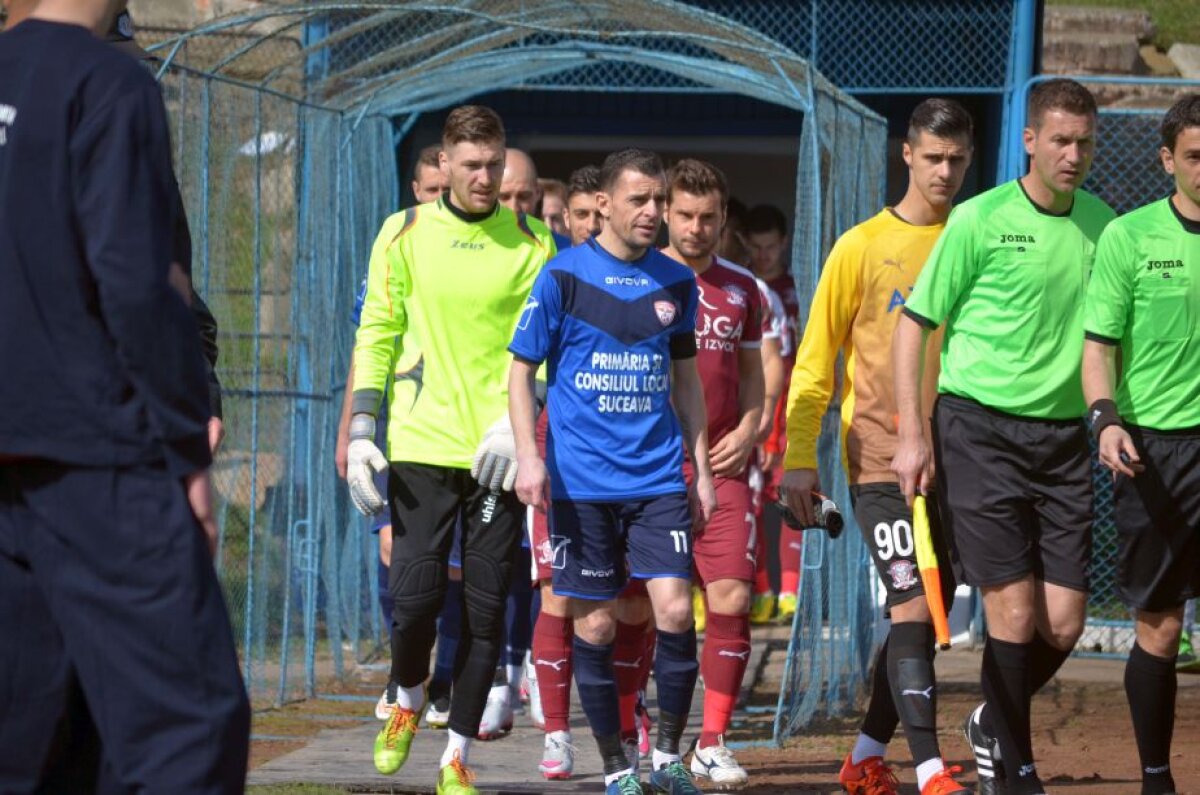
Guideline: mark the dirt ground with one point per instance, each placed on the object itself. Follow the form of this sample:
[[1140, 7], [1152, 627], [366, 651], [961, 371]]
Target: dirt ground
[[1083, 741]]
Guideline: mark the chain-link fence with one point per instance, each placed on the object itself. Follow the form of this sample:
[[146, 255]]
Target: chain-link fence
[[277, 232], [286, 123], [1127, 174]]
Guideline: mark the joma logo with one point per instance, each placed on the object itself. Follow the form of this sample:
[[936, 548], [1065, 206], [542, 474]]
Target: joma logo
[[1163, 264], [1017, 239]]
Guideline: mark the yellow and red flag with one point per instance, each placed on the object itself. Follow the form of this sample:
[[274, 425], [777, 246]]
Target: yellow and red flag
[[931, 577]]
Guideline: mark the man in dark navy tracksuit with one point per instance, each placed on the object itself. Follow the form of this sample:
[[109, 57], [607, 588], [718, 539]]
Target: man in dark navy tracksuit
[[105, 575]]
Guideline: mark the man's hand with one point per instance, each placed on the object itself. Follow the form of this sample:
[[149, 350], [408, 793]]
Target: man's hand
[[730, 455], [702, 497], [216, 434], [495, 464], [531, 481], [199, 497], [912, 465], [363, 461], [796, 488], [1118, 453]]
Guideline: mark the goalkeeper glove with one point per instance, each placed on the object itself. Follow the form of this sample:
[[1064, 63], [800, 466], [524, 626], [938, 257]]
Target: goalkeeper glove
[[495, 464], [363, 461]]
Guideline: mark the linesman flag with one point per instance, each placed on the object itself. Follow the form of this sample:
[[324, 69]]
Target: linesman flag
[[931, 577]]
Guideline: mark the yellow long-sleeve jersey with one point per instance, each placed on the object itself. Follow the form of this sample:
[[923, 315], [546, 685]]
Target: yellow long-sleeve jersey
[[868, 276]]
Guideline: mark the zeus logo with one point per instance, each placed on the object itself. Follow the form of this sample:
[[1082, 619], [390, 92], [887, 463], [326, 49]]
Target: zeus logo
[[466, 245]]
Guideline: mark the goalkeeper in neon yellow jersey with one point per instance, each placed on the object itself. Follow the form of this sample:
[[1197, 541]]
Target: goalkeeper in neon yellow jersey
[[446, 285]]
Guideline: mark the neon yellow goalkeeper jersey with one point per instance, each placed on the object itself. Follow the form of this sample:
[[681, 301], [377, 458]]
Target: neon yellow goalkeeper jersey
[[444, 291]]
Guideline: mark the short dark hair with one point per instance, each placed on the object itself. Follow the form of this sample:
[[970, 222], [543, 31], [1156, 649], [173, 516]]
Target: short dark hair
[[941, 118], [766, 218], [697, 178], [642, 161], [552, 187], [1183, 114], [1058, 94], [583, 180], [426, 158], [474, 124]]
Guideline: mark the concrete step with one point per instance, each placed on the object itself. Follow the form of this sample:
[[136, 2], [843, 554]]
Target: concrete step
[[1109, 21], [1092, 53]]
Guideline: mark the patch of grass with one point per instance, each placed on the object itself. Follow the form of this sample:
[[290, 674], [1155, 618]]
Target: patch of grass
[[1175, 20]]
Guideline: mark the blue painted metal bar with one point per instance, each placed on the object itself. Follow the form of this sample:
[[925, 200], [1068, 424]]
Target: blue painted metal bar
[[205, 141], [256, 380]]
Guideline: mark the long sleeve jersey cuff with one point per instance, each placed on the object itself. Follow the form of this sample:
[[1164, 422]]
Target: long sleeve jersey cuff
[[366, 401]]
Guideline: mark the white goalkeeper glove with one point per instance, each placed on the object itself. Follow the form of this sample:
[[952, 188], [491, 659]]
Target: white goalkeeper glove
[[363, 461], [495, 464]]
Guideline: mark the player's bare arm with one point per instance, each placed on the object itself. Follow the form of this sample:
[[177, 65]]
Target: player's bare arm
[[1099, 375], [522, 412], [913, 458], [687, 396], [730, 455]]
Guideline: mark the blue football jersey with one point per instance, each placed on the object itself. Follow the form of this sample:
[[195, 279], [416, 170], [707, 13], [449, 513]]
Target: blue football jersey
[[608, 331]]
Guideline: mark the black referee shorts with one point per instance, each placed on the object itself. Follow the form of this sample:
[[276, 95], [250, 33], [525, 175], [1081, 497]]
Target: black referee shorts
[[1016, 494], [1158, 521]]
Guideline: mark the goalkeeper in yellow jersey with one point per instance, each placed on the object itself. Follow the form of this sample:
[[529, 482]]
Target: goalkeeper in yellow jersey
[[862, 289], [446, 284]]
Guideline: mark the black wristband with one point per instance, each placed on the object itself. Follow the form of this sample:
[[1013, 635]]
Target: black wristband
[[1102, 414]]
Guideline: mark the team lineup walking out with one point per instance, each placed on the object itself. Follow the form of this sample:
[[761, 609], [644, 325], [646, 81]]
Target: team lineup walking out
[[585, 387]]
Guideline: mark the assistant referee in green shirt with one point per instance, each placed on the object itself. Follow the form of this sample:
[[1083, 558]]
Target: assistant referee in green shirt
[[1007, 278], [1144, 298]]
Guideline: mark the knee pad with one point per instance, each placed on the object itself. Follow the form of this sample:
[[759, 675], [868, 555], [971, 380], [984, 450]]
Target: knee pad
[[418, 589], [485, 592]]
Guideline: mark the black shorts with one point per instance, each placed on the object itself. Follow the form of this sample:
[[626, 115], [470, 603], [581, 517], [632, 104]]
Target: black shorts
[[442, 512], [886, 523], [1015, 494], [1158, 522]]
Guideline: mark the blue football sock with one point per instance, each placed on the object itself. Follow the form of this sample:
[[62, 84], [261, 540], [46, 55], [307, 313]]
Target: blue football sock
[[597, 685]]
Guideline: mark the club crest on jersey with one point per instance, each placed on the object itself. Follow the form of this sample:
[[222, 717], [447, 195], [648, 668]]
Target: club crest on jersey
[[736, 295], [665, 311], [903, 574]]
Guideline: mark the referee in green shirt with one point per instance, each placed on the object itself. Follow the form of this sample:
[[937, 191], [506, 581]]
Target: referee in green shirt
[[1144, 298], [1007, 279]]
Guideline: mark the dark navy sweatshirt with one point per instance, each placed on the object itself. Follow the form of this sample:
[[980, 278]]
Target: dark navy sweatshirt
[[100, 359]]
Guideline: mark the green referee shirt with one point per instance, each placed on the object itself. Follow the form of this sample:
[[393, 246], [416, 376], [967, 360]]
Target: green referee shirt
[[1144, 295], [1008, 279], [445, 289]]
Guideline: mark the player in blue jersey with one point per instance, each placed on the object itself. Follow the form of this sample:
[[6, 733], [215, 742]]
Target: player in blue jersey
[[615, 322]]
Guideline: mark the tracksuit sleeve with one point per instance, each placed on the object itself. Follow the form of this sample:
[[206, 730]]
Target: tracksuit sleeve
[[121, 170]]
